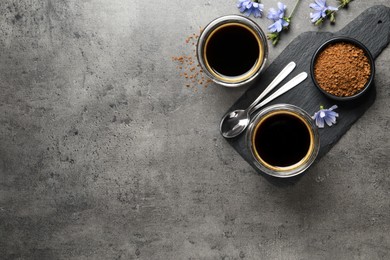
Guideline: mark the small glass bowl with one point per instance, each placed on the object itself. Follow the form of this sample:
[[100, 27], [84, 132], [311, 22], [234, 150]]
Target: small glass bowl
[[290, 170], [218, 23], [357, 44]]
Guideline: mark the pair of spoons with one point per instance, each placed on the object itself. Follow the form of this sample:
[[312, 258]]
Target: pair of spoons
[[235, 122]]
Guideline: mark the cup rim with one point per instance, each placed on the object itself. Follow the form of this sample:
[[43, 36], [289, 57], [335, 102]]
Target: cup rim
[[246, 75], [356, 43], [249, 25], [282, 168], [305, 162]]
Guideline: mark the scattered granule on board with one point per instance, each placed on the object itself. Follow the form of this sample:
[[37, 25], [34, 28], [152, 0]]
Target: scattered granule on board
[[189, 67]]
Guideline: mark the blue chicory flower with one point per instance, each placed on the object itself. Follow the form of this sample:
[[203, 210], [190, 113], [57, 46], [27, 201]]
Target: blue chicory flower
[[278, 25], [320, 8], [275, 15], [278, 17], [249, 7], [327, 116]]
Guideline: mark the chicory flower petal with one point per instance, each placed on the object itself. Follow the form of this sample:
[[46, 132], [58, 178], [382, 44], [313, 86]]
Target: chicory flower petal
[[327, 116], [320, 8], [249, 7]]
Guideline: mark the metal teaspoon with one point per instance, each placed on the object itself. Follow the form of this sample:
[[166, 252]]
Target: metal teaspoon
[[236, 125], [237, 119]]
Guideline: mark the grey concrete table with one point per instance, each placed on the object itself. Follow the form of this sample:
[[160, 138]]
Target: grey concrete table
[[105, 153]]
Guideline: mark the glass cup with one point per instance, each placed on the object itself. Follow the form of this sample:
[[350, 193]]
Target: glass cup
[[283, 140], [232, 50]]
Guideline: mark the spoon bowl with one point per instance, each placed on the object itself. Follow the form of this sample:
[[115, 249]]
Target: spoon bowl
[[234, 123]]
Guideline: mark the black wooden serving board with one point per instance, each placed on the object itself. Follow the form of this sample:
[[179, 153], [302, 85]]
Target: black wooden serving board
[[372, 28]]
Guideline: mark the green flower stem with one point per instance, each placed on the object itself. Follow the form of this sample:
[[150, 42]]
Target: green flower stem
[[331, 14], [275, 37], [293, 10], [344, 3]]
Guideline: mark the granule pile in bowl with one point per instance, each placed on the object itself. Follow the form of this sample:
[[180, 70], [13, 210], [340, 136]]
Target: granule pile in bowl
[[342, 69]]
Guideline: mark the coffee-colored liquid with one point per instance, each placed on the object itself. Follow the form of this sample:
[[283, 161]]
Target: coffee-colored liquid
[[282, 140], [232, 50]]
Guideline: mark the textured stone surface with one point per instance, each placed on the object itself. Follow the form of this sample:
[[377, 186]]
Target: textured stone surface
[[106, 154]]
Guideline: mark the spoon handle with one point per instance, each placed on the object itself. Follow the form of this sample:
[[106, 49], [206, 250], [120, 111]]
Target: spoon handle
[[286, 87], [281, 76]]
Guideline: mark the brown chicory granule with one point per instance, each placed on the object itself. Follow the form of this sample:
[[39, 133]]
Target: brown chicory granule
[[342, 69], [189, 67]]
